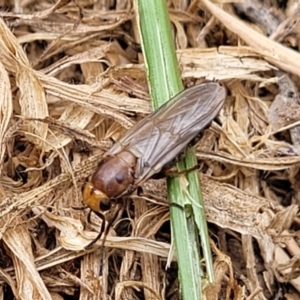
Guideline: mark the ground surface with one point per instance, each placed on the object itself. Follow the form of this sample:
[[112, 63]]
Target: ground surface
[[73, 81]]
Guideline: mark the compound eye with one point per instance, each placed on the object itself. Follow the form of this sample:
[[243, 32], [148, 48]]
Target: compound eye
[[105, 204]]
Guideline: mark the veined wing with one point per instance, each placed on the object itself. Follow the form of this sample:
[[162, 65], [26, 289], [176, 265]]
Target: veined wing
[[163, 134]]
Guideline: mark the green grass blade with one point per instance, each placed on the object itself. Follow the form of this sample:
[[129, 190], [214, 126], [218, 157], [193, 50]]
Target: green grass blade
[[164, 82]]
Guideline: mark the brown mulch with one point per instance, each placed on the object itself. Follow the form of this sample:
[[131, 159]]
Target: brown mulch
[[73, 80]]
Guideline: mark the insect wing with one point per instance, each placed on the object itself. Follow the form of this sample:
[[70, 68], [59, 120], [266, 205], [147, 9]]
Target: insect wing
[[163, 134]]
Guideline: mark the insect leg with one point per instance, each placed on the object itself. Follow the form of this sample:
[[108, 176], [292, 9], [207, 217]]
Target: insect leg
[[90, 220], [102, 218], [156, 199], [130, 189], [172, 172], [112, 220], [102, 246]]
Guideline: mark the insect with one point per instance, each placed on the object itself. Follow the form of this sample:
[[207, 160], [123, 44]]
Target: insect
[[151, 144]]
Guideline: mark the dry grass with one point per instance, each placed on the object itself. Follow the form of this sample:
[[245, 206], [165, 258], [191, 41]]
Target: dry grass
[[73, 79]]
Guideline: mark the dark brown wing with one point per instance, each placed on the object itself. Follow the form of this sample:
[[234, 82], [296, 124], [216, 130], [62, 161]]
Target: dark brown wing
[[162, 135]]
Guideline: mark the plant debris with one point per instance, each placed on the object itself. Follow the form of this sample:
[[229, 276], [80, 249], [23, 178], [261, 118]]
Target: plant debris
[[73, 81]]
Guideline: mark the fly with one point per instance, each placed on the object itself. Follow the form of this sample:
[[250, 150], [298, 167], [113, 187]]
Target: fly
[[151, 144]]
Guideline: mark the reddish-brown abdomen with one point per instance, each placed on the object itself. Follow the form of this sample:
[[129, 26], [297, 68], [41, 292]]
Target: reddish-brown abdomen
[[115, 174]]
